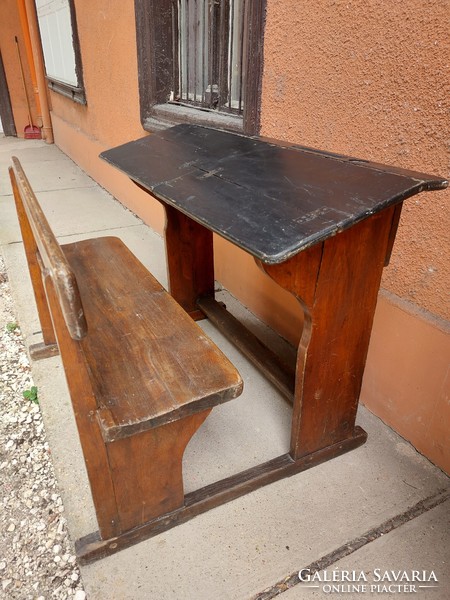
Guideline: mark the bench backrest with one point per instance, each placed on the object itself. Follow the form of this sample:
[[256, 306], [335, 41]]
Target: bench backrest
[[50, 256]]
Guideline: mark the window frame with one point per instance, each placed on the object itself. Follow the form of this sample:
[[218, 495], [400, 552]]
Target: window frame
[[155, 68], [75, 93]]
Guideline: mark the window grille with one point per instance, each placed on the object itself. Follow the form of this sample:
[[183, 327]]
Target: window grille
[[208, 47]]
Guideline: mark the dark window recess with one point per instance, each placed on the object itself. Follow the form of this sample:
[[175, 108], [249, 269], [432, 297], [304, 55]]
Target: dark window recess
[[208, 41], [6, 113], [200, 61]]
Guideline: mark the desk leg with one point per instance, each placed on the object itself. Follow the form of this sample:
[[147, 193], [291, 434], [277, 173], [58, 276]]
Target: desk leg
[[337, 284], [190, 260]]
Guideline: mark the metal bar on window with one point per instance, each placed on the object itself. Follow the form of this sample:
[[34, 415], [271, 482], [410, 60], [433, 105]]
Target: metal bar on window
[[209, 51], [175, 51], [230, 56], [204, 54], [181, 32], [210, 47], [242, 39], [223, 53], [194, 45]]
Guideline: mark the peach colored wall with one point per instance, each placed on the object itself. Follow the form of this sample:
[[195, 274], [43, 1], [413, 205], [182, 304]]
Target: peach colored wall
[[9, 28], [108, 51], [371, 79], [407, 378], [109, 59]]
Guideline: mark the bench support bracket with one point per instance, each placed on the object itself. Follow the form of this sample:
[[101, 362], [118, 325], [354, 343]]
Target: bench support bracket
[[92, 547], [41, 350]]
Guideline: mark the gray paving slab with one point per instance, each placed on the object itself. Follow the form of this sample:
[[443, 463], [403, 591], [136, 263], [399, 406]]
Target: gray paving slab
[[237, 550], [10, 144], [26, 151], [422, 545], [244, 547], [57, 174], [70, 212], [84, 210], [9, 224], [16, 268]]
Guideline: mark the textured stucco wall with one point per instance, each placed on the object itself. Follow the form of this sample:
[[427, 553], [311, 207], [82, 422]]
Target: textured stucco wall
[[111, 117], [371, 79], [108, 52], [407, 378]]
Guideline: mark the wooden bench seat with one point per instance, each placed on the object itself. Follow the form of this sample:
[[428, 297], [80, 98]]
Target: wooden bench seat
[[150, 363], [142, 375]]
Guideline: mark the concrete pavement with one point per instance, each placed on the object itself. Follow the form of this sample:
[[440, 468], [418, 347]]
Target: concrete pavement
[[381, 508]]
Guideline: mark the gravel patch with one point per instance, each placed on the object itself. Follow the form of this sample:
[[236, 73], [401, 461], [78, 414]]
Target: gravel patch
[[37, 558]]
